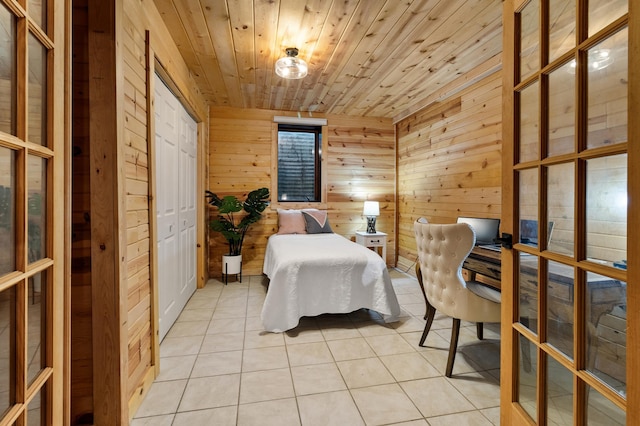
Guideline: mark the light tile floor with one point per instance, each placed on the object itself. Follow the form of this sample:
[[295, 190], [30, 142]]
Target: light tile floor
[[219, 367]]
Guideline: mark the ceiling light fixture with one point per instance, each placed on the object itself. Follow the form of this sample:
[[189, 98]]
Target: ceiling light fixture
[[290, 66]]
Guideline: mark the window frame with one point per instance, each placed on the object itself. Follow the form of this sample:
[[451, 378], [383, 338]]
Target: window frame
[[321, 186]]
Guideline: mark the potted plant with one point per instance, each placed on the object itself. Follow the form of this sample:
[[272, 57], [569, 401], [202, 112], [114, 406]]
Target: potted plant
[[234, 227]]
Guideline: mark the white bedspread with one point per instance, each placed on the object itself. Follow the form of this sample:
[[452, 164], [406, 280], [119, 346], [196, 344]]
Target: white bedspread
[[323, 273]]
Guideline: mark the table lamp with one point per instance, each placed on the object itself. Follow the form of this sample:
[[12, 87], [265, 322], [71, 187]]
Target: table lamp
[[371, 211]]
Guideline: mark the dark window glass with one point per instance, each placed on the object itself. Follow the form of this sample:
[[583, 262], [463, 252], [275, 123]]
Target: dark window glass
[[299, 154]]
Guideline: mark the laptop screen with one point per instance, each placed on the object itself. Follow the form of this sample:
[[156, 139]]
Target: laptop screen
[[486, 229], [529, 231]]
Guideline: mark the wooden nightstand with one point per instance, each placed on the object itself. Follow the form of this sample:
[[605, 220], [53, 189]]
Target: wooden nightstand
[[374, 241]]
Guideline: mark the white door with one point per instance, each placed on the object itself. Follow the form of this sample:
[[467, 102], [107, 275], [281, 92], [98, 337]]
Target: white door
[[175, 162], [187, 207]]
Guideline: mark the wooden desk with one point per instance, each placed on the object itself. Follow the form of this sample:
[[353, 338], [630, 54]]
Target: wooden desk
[[603, 294], [486, 263]]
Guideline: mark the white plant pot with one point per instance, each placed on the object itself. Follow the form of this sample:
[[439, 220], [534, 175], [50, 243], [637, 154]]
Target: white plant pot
[[231, 264]]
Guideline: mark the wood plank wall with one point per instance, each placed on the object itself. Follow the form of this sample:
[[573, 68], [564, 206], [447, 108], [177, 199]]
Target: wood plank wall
[[449, 162], [139, 17], [137, 203], [81, 328], [360, 162]]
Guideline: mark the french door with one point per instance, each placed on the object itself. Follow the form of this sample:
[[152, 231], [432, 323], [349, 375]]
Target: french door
[[32, 251], [568, 300]]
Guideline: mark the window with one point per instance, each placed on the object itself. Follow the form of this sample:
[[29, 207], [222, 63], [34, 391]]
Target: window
[[299, 159]]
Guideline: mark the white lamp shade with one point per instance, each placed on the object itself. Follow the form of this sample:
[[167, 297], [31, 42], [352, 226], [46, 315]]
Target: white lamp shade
[[371, 208]]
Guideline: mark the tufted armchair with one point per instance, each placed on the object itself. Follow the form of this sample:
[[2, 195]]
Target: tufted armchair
[[442, 250]]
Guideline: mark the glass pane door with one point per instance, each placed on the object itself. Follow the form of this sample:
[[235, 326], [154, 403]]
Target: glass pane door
[[568, 136], [29, 190]]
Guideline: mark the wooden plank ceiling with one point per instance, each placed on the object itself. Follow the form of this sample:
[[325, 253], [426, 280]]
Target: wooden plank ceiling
[[376, 58]]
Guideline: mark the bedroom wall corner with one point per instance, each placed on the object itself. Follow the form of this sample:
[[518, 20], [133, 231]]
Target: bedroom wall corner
[[449, 161]]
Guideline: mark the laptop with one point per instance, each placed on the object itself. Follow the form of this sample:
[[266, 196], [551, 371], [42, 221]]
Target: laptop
[[486, 230]]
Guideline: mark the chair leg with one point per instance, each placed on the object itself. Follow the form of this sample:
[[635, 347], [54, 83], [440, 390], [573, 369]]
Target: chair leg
[[431, 313], [479, 330], [419, 277], [455, 331]]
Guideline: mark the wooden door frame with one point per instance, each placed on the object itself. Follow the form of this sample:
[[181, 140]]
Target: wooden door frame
[[507, 347], [633, 210], [66, 6], [61, 125], [108, 210]]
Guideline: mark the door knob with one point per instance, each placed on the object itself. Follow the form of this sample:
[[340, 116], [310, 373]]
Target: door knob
[[506, 240]]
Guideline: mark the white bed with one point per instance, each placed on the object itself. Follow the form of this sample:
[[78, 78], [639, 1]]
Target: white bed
[[314, 274]]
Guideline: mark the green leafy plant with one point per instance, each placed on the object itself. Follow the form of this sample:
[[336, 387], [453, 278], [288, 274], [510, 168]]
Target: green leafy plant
[[232, 229]]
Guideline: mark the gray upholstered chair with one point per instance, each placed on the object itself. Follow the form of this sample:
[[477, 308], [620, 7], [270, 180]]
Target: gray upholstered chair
[[442, 250]]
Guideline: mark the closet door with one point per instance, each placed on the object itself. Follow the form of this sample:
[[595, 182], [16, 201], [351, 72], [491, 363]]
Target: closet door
[[175, 148], [187, 206], [567, 307]]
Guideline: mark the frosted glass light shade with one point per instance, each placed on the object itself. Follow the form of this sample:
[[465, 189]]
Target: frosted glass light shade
[[290, 66]]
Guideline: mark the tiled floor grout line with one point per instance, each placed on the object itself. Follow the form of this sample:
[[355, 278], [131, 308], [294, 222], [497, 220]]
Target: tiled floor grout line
[[329, 329], [395, 381]]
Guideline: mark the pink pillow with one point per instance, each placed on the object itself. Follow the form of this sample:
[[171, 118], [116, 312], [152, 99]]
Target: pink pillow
[[291, 222]]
